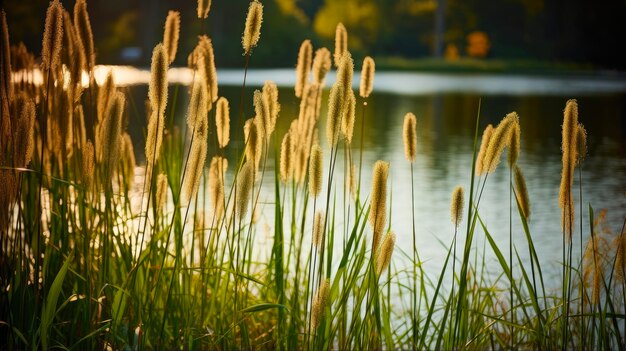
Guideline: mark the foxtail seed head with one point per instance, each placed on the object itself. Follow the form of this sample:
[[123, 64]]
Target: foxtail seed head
[[409, 135], [83, 31], [484, 144], [581, 144], [319, 303], [222, 122], [367, 77], [336, 103], [514, 144], [315, 170], [347, 122], [161, 192], [252, 31], [456, 206], [500, 138], [321, 65], [270, 98], [204, 6], [157, 90], [318, 229], [341, 42], [378, 201], [286, 158], [521, 192], [245, 182], [303, 67], [386, 251], [171, 34], [52, 36], [5, 58], [570, 132]]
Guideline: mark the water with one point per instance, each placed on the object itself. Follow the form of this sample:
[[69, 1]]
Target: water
[[446, 107]]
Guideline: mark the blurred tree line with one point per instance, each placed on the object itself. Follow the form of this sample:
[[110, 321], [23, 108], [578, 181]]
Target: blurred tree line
[[586, 32]]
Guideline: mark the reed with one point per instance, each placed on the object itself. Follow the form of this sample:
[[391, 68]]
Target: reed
[[303, 67], [254, 134], [252, 30], [88, 165], [205, 45], [195, 165]]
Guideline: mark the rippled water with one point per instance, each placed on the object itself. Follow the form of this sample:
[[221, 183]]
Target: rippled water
[[446, 107]]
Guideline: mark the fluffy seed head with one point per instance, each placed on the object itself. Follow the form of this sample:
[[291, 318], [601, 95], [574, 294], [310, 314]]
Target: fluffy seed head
[[253, 134], [270, 95], [252, 31], [286, 158], [318, 230], [367, 77], [170, 34], [198, 103], [204, 6], [154, 137], [319, 303], [195, 165], [206, 46], [24, 136], [386, 250], [500, 138], [620, 259], [245, 182], [378, 201], [341, 42], [347, 121], [52, 36], [262, 111], [484, 144], [351, 180], [127, 160], [514, 144], [456, 206], [581, 143], [303, 67], [111, 134], [315, 170], [570, 132], [409, 136], [106, 92], [157, 90], [594, 264], [222, 122], [217, 174], [321, 65], [83, 31], [89, 164], [5, 58], [522, 192], [345, 72], [335, 109], [161, 191]]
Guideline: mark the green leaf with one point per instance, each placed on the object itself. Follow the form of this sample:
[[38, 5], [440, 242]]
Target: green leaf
[[49, 306], [263, 307]]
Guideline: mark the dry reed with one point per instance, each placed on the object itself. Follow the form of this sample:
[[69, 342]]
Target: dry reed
[[210, 74], [110, 134], [157, 94]]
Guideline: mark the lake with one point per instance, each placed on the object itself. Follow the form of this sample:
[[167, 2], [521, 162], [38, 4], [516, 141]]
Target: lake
[[446, 107]]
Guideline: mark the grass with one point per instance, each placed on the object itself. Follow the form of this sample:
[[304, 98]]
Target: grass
[[90, 261]]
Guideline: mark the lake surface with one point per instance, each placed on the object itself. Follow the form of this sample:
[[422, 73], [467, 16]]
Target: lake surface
[[446, 107]]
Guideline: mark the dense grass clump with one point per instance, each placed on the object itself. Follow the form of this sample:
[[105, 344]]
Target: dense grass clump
[[98, 253]]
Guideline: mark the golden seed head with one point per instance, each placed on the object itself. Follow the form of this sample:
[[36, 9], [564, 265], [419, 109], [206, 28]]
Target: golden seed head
[[253, 134], [270, 98], [351, 180], [345, 72], [204, 6], [171, 34], [252, 31], [89, 164], [620, 259], [367, 77], [594, 264], [500, 138], [409, 136], [161, 191], [127, 161], [347, 121], [522, 192], [456, 206], [205, 46], [154, 137], [514, 144], [335, 110], [106, 92], [321, 65], [222, 122], [5, 58], [111, 134], [569, 143], [198, 103], [245, 182], [319, 303], [217, 174], [157, 90], [581, 143], [24, 136], [484, 144], [315, 170], [262, 111], [52, 36], [386, 251], [341, 42], [197, 158], [303, 67], [378, 201], [83, 31], [318, 230], [286, 158]]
